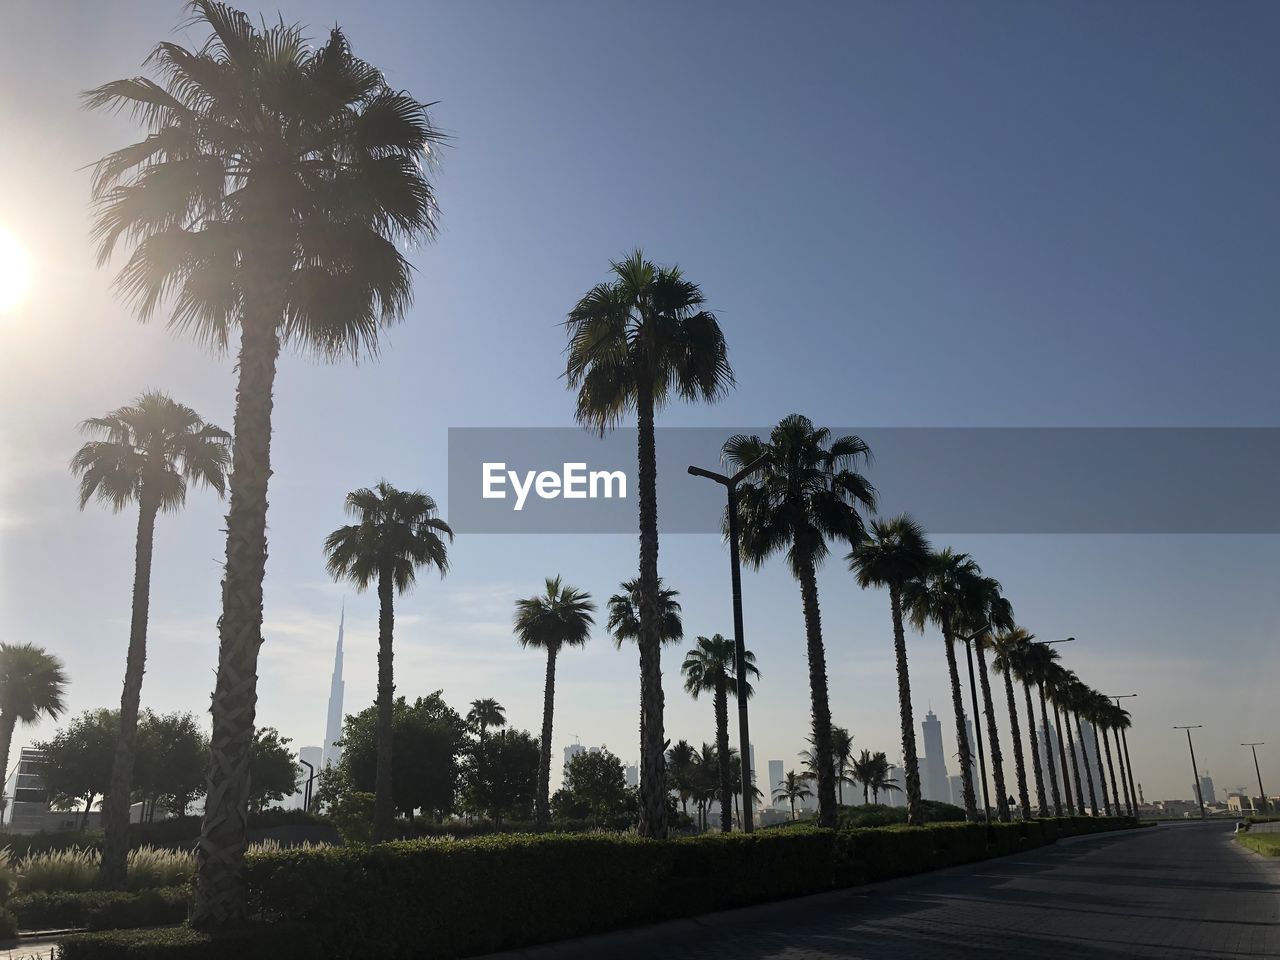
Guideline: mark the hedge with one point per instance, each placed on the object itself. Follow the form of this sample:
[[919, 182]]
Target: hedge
[[102, 909], [449, 898], [181, 943]]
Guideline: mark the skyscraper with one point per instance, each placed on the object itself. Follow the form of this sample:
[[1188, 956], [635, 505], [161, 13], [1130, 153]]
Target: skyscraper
[[776, 776], [333, 727], [1206, 789], [934, 784]]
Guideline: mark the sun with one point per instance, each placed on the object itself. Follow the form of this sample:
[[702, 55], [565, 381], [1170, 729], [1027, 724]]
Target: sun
[[15, 272]]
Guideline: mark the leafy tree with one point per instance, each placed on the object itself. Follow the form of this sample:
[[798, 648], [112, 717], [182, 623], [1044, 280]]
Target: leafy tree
[[173, 750], [429, 738], [485, 714], [807, 493], [272, 767], [595, 782], [500, 776], [895, 553], [270, 194], [559, 617], [78, 759], [396, 533], [147, 454], [873, 771], [709, 667], [624, 619], [681, 761], [32, 682], [794, 786], [636, 342]]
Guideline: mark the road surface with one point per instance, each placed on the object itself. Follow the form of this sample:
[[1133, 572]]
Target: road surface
[[1181, 891]]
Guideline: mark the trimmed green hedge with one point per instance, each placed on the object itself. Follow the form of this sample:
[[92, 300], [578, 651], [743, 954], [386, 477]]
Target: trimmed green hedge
[[102, 909], [451, 898], [181, 943]]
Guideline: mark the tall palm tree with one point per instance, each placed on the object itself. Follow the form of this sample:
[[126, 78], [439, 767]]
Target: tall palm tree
[[559, 617], [709, 667], [941, 594], [864, 771], [485, 714], [988, 613], [145, 453], [32, 682], [1098, 713], [395, 533], [1019, 647], [794, 786], [1039, 663], [894, 553], [681, 760], [1077, 702], [841, 757], [879, 776], [636, 342], [271, 194], [1060, 683], [807, 493], [624, 619], [1009, 646], [706, 781], [1120, 722]]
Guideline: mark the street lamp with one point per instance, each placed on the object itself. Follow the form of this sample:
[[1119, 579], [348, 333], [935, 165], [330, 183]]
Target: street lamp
[[1128, 764], [740, 651], [1195, 771], [306, 790], [1262, 794]]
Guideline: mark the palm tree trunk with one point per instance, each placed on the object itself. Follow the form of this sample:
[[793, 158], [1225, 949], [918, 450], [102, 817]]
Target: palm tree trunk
[[1048, 753], [993, 736], [1102, 776], [1019, 761], [384, 814], [219, 897], [8, 720], [1062, 751], [1088, 770], [1124, 777], [1133, 791], [820, 706], [910, 760], [115, 813], [542, 801], [722, 756], [1075, 766], [1111, 770], [962, 737], [653, 789], [1036, 769]]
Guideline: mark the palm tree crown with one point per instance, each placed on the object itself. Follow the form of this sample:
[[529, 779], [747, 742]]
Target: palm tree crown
[[485, 714], [397, 532], [154, 447], [560, 617], [710, 664], [624, 614], [32, 682]]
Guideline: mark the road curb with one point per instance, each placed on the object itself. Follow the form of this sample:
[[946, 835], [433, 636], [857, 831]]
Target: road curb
[[1081, 838]]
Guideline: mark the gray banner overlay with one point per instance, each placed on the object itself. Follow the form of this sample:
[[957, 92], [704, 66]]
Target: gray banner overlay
[[953, 480]]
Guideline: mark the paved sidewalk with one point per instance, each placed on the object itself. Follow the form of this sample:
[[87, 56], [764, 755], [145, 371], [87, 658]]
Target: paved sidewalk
[[1167, 892]]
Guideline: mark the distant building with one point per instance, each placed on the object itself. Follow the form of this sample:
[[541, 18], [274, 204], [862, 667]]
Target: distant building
[[313, 756], [956, 784], [572, 750], [934, 784], [776, 777], [330, 753], [896, 798], [633, 775], [28, 803], [1206, 789]]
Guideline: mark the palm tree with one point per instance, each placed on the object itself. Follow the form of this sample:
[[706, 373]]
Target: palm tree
[[624, 619], [1119, 723], [1010, 647], [559, 617], [841, 757], [1039, 664], [709, 666], [1021, 653], [1099, 712], [271, 194], [485, 714], [1076, 702], [396, 533], [879, 774], [636, 342], [807, 493], [895, 553], [940, 595], [1060, 680], [681, 760], [864, 772], [32, 682], [990, 612], [145, 453], [706, 781], [794, 787]]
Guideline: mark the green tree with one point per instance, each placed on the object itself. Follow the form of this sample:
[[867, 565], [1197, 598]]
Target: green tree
[[988, 613], [559, 617], [1059, 681], [624, 619], [396, 533], [1077, 697], [276, 181], [1119, 723], [272, 767], [1039, 662], [173, 750], [681, 761], [635, 343], [1018, 656], [485, 714], [874, 772], [893, 554], [595, 781], [1008, 647], [807, 493], [709, 667], [500, 776], [77, 763], [1097, 710], [940, 595], [794, 786], [842, 757], [32, 683], [145, 454]]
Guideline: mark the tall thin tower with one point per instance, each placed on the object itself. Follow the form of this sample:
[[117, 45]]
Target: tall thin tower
[[333, 728]]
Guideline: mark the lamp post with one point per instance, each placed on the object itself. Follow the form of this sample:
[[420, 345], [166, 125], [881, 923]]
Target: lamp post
[[1262, 794], [739, 647], [1195, 771], [306, 790], [977, 727]]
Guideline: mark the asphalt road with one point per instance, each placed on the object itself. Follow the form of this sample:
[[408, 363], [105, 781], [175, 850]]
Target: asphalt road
[[1182, 891]]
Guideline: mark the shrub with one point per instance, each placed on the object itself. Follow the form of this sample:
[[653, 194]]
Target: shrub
[[8, 924], [879, 815], [1267, 844], [866, 856], [958, 843], [157, 867], [723, 870], [183, 943], [74, 868], [102, 909], [8, 875]]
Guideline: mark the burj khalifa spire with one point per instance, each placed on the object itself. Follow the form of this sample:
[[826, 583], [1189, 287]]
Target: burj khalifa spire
[[333, 728]]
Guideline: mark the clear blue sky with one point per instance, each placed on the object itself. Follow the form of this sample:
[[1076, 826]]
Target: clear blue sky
[[905, 214]]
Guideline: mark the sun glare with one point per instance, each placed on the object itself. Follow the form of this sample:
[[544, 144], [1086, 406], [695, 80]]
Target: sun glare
[[15, 272]]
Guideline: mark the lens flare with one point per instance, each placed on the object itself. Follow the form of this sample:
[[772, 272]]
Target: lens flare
[[15, 272]]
